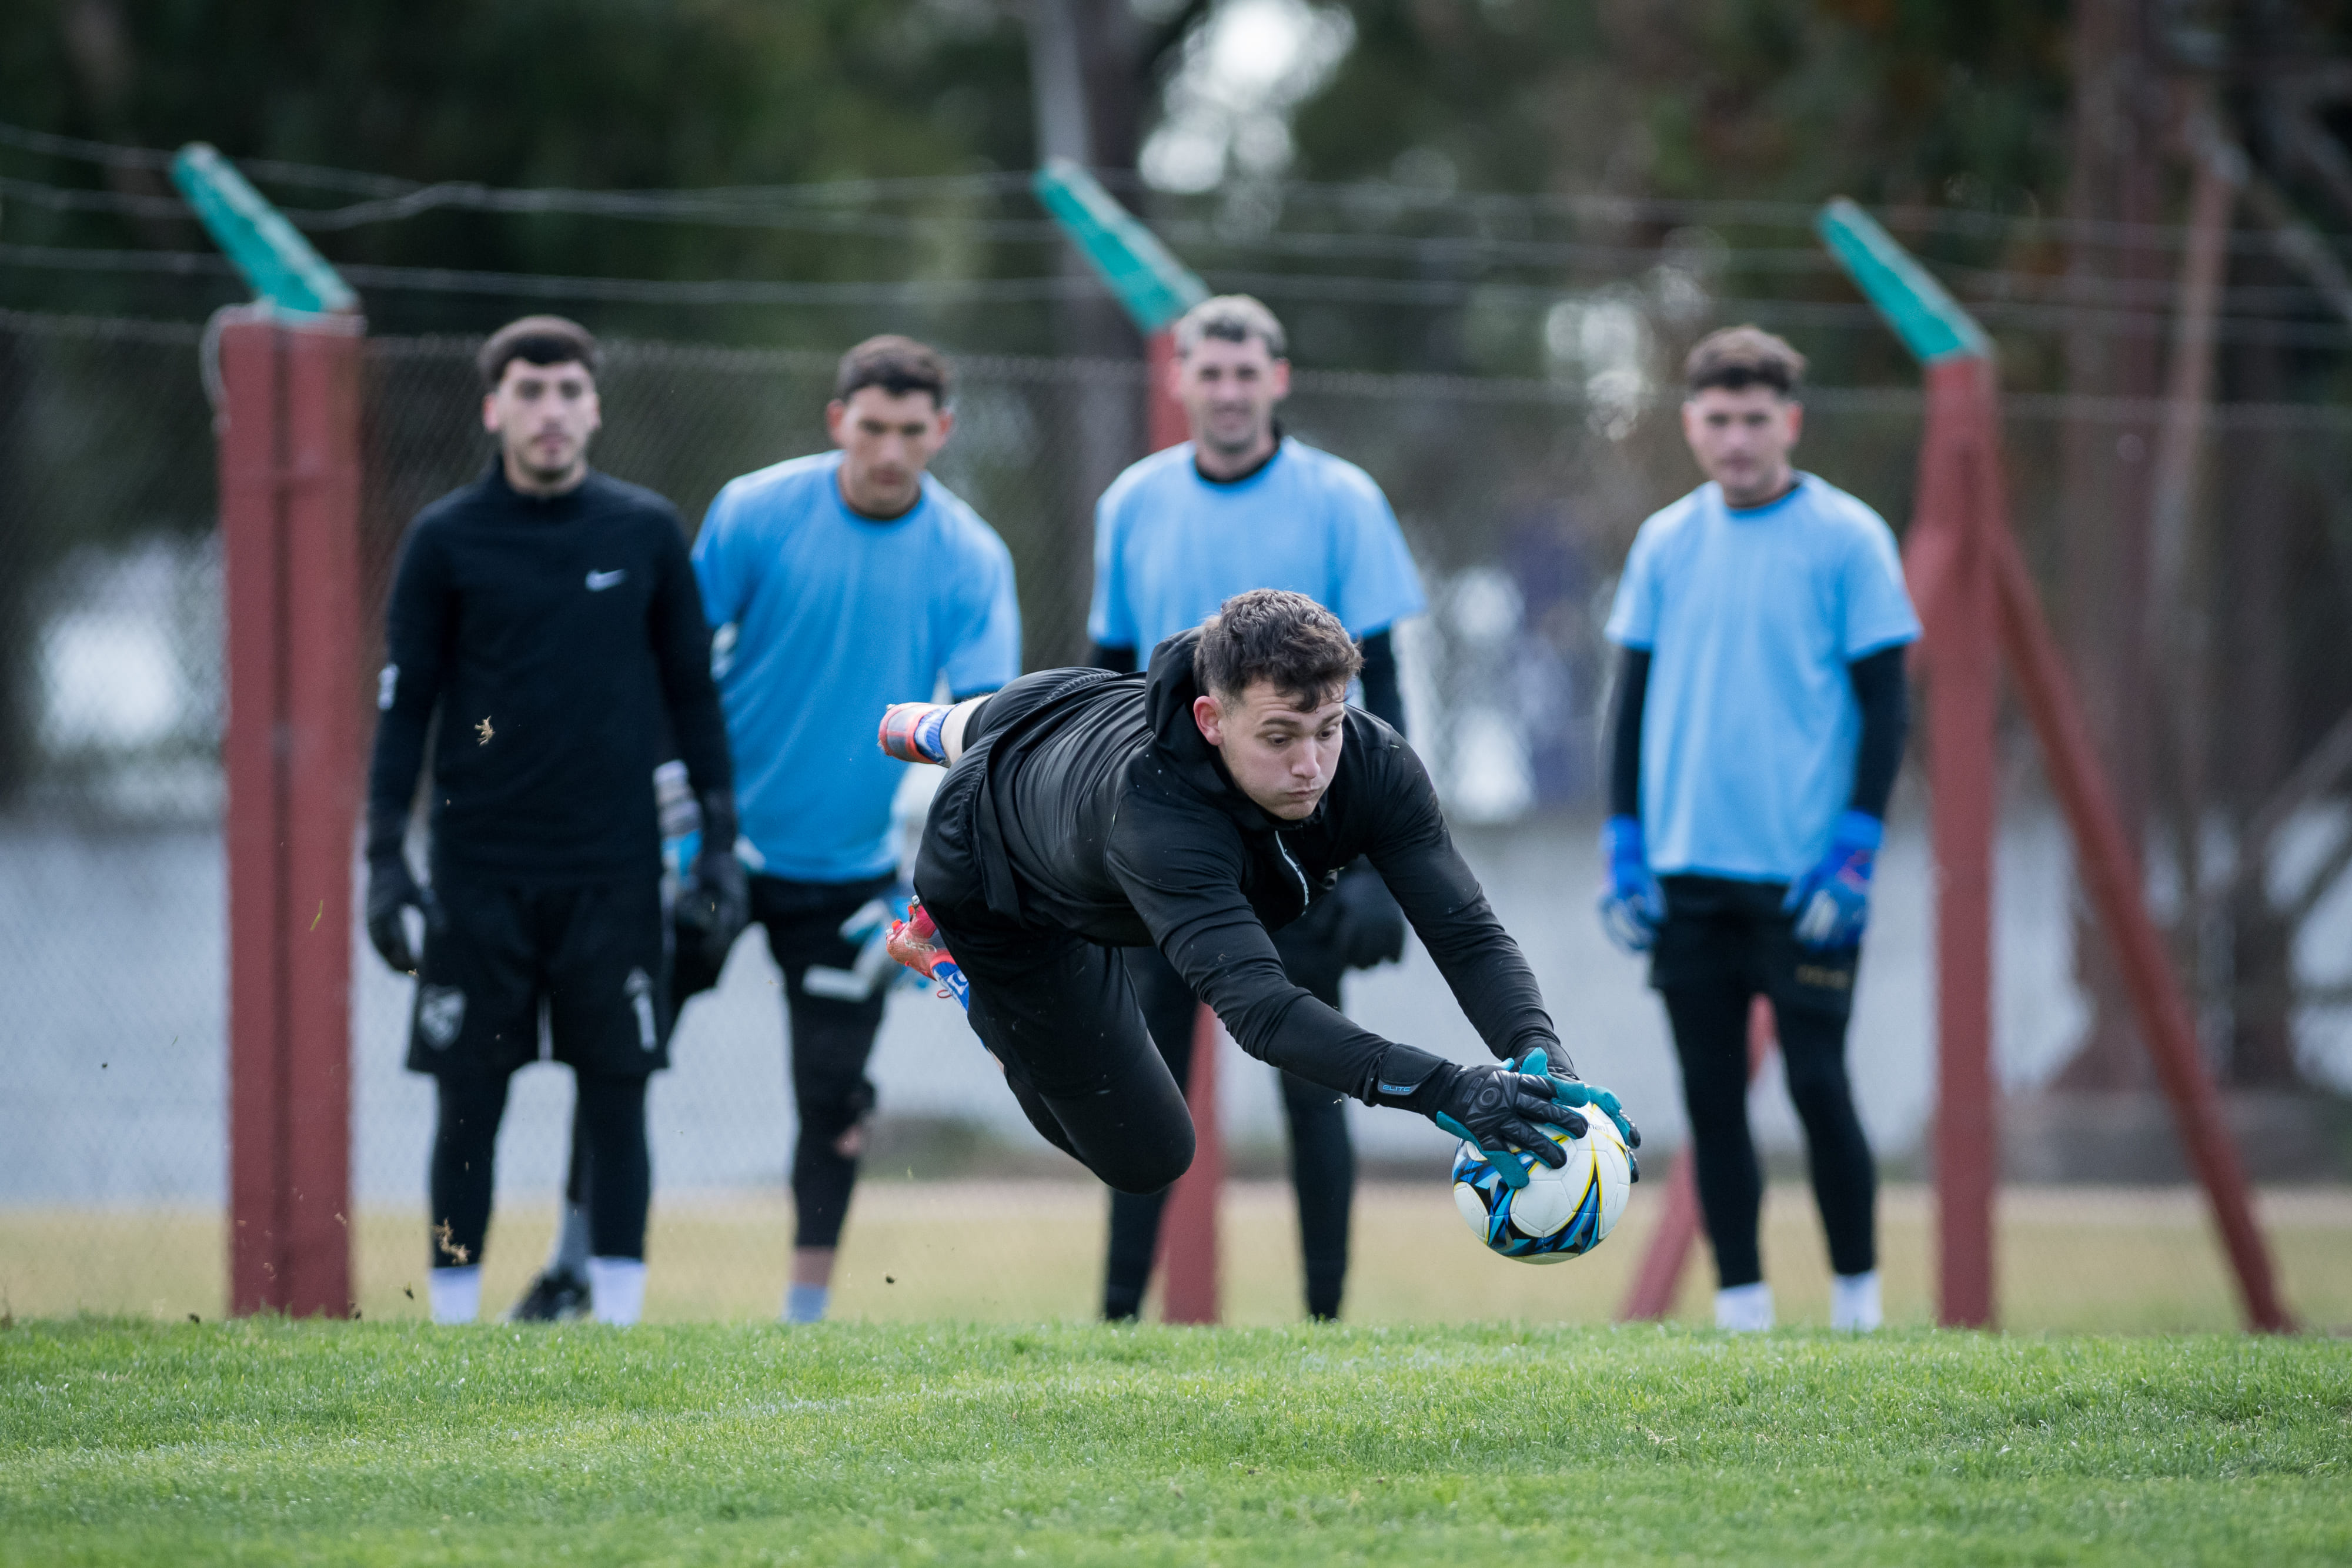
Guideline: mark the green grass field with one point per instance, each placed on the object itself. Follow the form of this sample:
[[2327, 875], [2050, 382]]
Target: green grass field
[[340, 1443]]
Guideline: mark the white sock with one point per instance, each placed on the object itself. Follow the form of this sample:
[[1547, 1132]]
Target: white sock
[[455, 1294], [570, 1253], [617, 1288], [806, 1303], [1744, 1309], [1853, 1301]]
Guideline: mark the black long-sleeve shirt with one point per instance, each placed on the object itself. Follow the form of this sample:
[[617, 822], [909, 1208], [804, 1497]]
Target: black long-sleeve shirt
[[1879, 690], [1104, 811], [561, 641]]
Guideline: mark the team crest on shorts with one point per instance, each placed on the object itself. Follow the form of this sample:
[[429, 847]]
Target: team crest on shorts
[[440, 1014]]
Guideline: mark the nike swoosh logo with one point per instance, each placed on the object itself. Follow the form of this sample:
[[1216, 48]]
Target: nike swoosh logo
[[600, 581]]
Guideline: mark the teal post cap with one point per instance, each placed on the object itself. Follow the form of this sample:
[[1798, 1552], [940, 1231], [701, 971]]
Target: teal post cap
[[1154, 287], [1931, 323], [280, 265]]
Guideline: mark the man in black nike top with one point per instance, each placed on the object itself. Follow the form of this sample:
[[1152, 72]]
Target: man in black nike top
[[1194, 808], [545, 632]]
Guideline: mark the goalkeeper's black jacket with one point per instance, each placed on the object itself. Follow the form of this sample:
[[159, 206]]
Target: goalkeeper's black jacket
[[562, 641], [1102, 810]]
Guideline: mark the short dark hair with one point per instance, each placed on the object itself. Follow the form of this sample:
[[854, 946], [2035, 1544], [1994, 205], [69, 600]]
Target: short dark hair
[[1274, 635], [1235, 319], [1738, 358], [538, 341], [896, 364]]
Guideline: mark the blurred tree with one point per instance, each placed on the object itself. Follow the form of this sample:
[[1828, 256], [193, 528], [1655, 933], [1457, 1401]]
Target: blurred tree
[[613, 94]]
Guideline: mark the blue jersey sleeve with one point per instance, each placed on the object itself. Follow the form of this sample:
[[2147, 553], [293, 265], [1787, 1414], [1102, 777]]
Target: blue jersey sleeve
[[1376, 584], [1878, 612], [719, 561], [984, 641], [1110, 619], [1633, 616]]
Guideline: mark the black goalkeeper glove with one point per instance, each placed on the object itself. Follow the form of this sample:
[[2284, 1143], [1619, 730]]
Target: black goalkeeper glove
[[1489, 1103], [714, 903], [392, 887]]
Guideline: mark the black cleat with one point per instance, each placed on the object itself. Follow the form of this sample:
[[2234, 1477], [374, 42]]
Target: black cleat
[[553, 1298]]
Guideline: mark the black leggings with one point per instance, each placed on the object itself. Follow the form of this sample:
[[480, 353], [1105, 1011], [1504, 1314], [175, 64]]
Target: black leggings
[[610, 1121], [1710, 1025], [1322, 1159]]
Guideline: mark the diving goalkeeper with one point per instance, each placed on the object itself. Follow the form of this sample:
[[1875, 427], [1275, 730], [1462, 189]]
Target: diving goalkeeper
[[1194, 808]]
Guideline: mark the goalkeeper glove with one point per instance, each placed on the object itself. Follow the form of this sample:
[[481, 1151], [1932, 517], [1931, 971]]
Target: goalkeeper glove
[[714, 903], [1490, 1104], [1633, 905], [1832, 900], [392, 887]]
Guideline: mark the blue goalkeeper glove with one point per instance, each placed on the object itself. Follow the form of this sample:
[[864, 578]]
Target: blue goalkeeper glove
[[1832, 902], [1633, 904]]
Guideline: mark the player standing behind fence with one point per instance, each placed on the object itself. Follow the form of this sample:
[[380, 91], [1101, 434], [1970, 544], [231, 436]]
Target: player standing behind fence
[[841, 583], [548, 614], [1238, 507], [1760, 722]]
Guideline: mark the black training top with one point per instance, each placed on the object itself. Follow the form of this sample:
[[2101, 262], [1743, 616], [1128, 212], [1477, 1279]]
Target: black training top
[[560, 639], [1105, 812]]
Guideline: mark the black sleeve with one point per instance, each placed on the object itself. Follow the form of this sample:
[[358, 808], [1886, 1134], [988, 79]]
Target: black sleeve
[[1109, 656], [1886, 699], [1384, 695], [418, 621], [1625, 733], [681, 640]]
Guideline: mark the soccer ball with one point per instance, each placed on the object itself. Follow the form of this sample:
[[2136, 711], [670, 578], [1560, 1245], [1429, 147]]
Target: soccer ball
[[1560, 1214]]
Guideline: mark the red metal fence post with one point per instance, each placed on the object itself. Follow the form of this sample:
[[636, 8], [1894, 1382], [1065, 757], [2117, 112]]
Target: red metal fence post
[[290, 515], [2111, 877], [1953, 587]]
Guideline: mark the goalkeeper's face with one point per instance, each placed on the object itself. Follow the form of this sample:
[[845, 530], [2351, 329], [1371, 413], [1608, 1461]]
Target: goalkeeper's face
[[543, 416], [1283, 756]]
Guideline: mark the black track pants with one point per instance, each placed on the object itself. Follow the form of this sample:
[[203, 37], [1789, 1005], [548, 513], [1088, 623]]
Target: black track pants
[[1710, 1024], [609, 1122], [1322, 1159]]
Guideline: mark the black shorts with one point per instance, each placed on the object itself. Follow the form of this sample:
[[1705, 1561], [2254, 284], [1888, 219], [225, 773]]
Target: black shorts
[[1718, 932], [591, 955]]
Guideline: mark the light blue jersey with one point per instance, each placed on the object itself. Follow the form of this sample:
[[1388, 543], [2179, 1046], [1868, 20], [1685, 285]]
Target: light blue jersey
[[1751, 618], [825, 619], [1171, 547]]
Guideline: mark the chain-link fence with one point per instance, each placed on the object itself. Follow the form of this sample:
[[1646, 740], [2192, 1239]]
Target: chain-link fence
[[1519, 498]]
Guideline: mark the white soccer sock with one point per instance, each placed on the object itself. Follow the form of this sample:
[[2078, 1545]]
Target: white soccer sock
[[455, 1294], [1744, 1309], [806, 1303], [1853, 1301], [617, 1288], [570, 1255]]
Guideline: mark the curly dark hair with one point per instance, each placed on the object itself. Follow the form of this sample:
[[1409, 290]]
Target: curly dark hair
[[1273, 635]]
